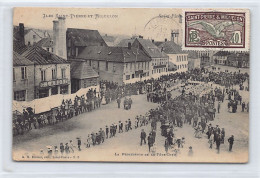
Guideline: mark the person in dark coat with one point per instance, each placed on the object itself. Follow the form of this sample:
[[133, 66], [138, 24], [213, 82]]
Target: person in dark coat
[[150, 141], [118, 102], [61, 148], [231, 142], [218, 142], [143, 137], [79, 144], [107, 131]]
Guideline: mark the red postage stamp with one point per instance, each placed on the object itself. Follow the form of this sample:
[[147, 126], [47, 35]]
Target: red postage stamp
[[215, 29]]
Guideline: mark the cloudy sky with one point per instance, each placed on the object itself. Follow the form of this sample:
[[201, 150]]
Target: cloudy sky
[[151, 23]]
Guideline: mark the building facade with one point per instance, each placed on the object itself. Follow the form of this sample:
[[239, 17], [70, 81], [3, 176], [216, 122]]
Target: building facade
[[117, 64], [51, 73], [221, 57], [82, 76], [239, 60], [159, 59], [23, 78], [78, 39], [176, 56]]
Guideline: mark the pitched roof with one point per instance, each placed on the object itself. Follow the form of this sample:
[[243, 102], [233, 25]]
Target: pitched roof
[[85, 37], [18, 47], [170, 47], [124, 42], [151, 49], [239, 57], [222, 53], [192, 54], [45, 42], [81, 70], [115, 54], [19, 60], [40, 56]]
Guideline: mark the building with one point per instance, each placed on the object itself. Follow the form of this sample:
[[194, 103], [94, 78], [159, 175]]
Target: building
[[51, 72], [239, 60], [117, 64], [221, 57], [47, 44], [78, 39], [29, 36], [206, 57], [193, 60], [176, 55], [82, 76], [159, 59], [23, 78]]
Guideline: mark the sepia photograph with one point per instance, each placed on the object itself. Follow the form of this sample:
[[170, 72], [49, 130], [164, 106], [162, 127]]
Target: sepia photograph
[[131, 84]]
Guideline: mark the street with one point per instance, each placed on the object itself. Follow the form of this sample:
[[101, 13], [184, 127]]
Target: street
[[128, 143]]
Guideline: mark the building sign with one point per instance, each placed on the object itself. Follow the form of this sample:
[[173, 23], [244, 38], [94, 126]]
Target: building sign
[[159, 66], [53, 83]]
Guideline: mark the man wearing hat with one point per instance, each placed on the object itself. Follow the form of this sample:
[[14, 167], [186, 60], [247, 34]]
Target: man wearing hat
[[231, 141]]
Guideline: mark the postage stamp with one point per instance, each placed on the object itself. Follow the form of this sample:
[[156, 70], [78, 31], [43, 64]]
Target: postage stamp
[[214, 29]]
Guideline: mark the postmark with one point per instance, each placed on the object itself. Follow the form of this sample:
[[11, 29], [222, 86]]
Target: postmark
[[215, 29]]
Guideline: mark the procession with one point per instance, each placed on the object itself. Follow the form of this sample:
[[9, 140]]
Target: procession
[[195, 106], [86, 92]]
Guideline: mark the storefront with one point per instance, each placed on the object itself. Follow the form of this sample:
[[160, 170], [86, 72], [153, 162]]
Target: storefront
[[53, 87]]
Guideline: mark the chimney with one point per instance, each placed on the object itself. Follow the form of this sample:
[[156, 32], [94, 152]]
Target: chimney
[[165, 39], [21, 33], [175, 36], [55, 36], [129, 45], [59, 37]]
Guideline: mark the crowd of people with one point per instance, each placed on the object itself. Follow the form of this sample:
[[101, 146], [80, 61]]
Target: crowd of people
[[189, 108]]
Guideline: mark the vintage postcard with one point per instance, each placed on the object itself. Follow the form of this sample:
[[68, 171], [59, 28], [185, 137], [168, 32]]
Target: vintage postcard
[[131, 84]]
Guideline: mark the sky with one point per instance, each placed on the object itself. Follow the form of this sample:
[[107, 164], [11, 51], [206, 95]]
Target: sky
[[149, 22]]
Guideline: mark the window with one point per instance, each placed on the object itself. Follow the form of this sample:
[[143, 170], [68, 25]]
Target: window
[[63, 73], [142, 65], [24, 73], [89, 61], [106, 66], [51, 49], [127, 77], [98, 64], [133, 75], [54, 74], [48, 49], [43, 75], [126, 65], [34, 36], [13, 74], [20, 95]]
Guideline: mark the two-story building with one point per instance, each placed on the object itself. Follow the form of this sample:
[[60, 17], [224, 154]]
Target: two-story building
[[239, 60], [78, 39], [117, 64], [176, 56], [23, 78], [51, 72], [221, 57], [159, 59]]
